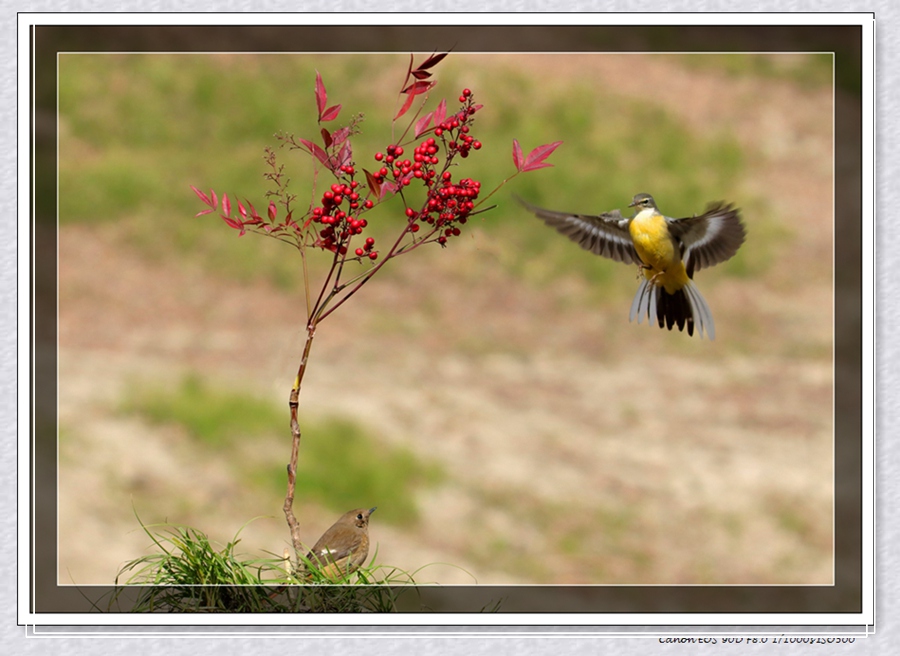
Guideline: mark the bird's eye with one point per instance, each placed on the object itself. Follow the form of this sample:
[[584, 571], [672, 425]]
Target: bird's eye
[[359, 516]]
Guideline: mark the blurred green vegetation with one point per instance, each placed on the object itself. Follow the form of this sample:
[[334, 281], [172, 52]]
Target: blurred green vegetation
[[136, 130], [808, 70], [361, 467], [342, 465]]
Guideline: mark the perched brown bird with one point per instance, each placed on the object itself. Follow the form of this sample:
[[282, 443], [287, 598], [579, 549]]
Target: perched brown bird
[[344, 546]]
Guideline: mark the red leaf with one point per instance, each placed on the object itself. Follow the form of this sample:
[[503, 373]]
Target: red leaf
[[422, 124], [342, 157], [417, 88], [252, 210], [421, 75], [326, 138], [204, 212], [517, 155], [388, 187], [374, 185], [242, 210], [316, 151], [441, 112], [340, 136], [409, 68], [232, 223], [536, 157], [433, 60], [273, 211], [321, 95], [226, 205], [331, 113], [406, 106], [203, 196]]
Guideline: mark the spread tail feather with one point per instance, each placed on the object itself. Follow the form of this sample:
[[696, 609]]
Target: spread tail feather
[[686, 307]]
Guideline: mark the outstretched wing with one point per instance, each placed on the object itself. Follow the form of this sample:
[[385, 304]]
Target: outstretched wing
[[710, 238], [605, 235]]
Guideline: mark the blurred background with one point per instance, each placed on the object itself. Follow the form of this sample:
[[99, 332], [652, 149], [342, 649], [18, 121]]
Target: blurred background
[[491, 398]]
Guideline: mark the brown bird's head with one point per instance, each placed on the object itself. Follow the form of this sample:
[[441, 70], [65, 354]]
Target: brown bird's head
[[358, 517]]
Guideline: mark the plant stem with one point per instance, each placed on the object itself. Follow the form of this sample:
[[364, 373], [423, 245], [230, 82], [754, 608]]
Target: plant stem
[[294, 403]]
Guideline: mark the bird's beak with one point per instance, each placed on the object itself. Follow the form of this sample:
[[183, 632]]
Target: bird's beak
[[632, 203], [371, 510]]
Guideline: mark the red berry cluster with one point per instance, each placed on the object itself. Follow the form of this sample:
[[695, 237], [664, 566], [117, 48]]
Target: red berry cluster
[[449, 205], [455, 129], [340, 226], [400, 169], [447, 202]]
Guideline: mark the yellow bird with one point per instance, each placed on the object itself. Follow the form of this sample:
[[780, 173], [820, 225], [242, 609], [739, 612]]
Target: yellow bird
[[668, 252]]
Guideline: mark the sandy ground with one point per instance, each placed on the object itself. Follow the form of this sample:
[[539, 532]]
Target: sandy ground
[[574, 455]]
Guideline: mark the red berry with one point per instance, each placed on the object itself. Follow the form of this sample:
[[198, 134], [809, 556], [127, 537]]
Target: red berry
[[398, 151], [373, 255], [359, 252], [379, 156], [369, 241]]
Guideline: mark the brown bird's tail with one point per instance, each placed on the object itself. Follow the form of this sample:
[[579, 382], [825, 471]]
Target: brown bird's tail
[[686, 307]]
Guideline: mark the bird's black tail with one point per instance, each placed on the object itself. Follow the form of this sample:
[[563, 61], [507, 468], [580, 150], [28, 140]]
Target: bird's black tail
[[685, 308]]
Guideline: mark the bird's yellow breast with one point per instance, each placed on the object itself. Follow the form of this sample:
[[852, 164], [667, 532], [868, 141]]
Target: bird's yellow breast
[[658, 250]]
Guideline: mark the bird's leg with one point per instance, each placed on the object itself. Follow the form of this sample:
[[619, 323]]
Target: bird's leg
[[646, 267]]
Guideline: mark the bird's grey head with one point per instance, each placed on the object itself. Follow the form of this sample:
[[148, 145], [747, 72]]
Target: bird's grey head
[[642, 202]]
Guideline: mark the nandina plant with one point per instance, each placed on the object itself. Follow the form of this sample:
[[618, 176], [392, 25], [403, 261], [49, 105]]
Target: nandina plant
[[426, 155]]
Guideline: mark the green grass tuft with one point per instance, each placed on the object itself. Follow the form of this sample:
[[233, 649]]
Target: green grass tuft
[[187, 573]]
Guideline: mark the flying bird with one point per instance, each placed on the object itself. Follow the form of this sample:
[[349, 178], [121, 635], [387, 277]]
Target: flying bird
[[668, 252]]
